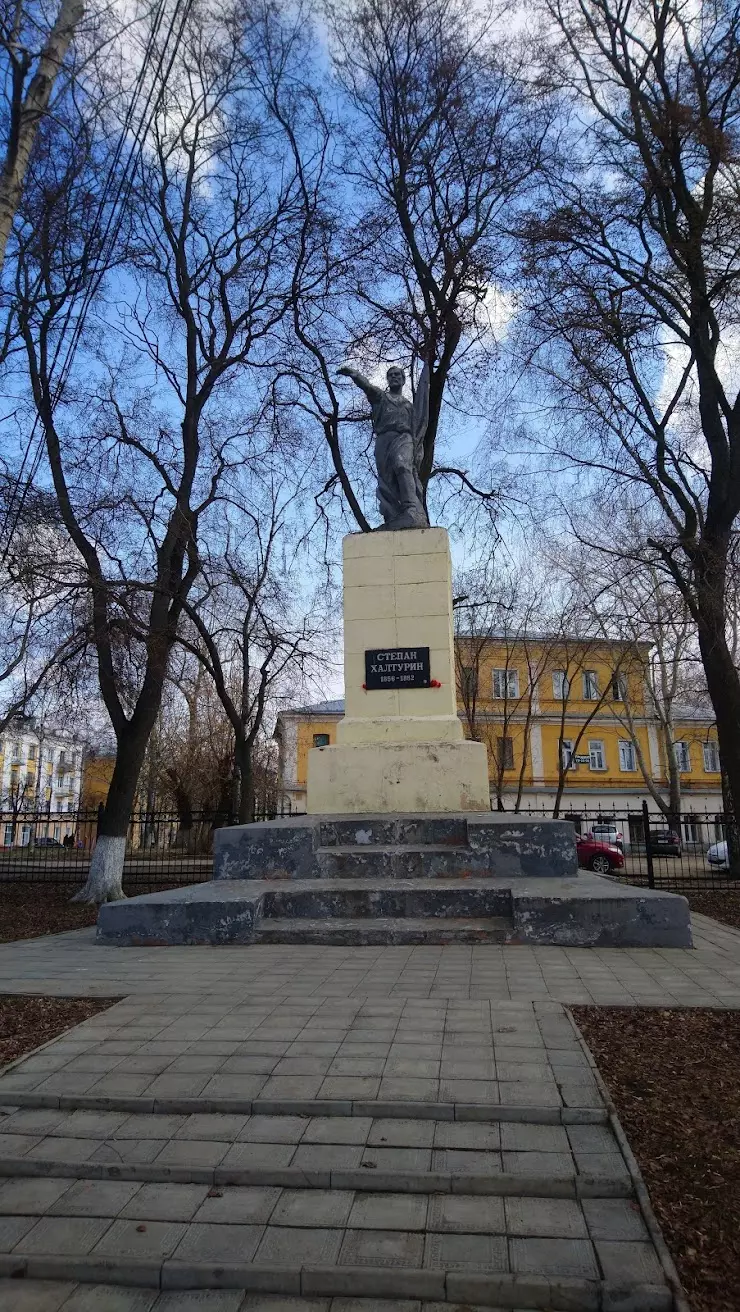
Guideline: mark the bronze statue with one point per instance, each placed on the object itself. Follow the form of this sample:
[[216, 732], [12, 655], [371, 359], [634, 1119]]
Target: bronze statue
[[399, 426]]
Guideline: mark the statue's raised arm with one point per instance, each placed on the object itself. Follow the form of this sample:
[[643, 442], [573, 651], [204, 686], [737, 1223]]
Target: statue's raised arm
[[372, 392], [398, 427]]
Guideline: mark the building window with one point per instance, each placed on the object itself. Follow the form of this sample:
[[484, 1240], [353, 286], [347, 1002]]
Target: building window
[[505, 753], [596, 754], [691, 832], [16, 751], [711, 758], [590, 686], [32, 752], [566, 754], [8, 836], [468, 682], [321, 740], [683, 757], [619, 688], [30, 779], [560, 685], [505, 684], [627, 756]]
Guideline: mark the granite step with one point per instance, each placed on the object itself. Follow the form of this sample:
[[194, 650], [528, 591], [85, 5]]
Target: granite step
[[390, 898], [401, 861], [413, 830], [368, 931]]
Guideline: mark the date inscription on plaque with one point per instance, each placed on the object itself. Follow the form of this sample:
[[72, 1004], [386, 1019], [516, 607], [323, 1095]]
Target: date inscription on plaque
[[397, 667]]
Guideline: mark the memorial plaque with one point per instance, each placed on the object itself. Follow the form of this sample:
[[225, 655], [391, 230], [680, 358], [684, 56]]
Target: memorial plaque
[[397, 667]]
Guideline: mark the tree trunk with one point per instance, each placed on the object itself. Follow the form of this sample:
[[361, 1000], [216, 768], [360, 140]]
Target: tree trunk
[[673, 812], [732, 833], [558, 794], [105, 876], [27, 113], [723, 680], [246, 783]]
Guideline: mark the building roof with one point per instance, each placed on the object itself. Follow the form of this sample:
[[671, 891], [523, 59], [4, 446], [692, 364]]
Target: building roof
[[335, 707], [517, 637], [703, 715]]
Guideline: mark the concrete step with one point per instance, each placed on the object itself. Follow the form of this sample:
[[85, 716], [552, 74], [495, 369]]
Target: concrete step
[[440, 1205], [401, 861], [413, 830], [56, 1296], [349, 931], [417, 899], [406, 1108]]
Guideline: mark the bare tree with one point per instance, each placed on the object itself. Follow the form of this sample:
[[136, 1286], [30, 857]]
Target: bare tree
[[500, 615], [444, 140], [626, 597], [633, 276], [42, 632], [206, 256], [33, 54], [194, 752], [251, 631], [408, 181]]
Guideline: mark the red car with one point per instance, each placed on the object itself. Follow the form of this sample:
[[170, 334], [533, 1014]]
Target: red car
[[602, 857]]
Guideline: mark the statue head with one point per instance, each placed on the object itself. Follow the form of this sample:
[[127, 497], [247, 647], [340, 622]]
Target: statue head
[[395, 378]]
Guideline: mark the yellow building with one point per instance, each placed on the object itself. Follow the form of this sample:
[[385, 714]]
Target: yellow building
[[96, 776], [564, 715]]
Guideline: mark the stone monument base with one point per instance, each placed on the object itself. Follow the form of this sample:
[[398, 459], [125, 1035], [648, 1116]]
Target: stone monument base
[[364, 778], [383, 879], [400, 747]]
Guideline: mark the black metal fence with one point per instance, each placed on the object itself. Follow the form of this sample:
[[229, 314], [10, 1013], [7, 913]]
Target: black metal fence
[[168, 848], [162, 847], [698, 854]]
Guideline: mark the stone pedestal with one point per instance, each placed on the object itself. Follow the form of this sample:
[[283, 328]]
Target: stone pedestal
[[398, 749]]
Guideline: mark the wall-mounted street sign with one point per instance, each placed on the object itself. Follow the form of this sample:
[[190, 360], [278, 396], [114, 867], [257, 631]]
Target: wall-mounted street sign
[[582, 760], [397, 667]]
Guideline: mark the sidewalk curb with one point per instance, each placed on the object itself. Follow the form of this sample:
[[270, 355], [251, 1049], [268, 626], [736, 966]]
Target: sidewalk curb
[[489, 1289]]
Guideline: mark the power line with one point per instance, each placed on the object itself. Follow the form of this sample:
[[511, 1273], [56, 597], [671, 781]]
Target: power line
[[116, 210]]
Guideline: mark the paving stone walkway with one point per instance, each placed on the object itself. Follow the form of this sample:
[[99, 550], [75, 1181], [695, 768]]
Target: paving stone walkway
[[331, 1130], [707, 976]]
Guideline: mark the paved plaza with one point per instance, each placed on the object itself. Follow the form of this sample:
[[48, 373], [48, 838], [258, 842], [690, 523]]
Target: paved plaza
[[306, 1129], [706, 976]]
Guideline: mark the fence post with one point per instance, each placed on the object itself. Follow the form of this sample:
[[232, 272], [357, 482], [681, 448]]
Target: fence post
[[648, 849]]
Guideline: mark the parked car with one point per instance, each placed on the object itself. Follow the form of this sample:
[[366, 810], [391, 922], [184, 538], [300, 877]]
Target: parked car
[[602, 857], [45, 842], [606, 831], [665, 842], [717, 856]]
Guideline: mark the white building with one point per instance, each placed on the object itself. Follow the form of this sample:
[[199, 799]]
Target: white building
[[40, 771]]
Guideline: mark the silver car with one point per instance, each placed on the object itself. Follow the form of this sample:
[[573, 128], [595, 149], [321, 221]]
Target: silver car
[[717, 856]]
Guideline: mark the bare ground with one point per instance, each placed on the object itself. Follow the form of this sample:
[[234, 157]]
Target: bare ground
[[674, 1077]]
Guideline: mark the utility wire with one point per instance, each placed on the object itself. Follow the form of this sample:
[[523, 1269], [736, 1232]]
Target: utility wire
[[116, 210]]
